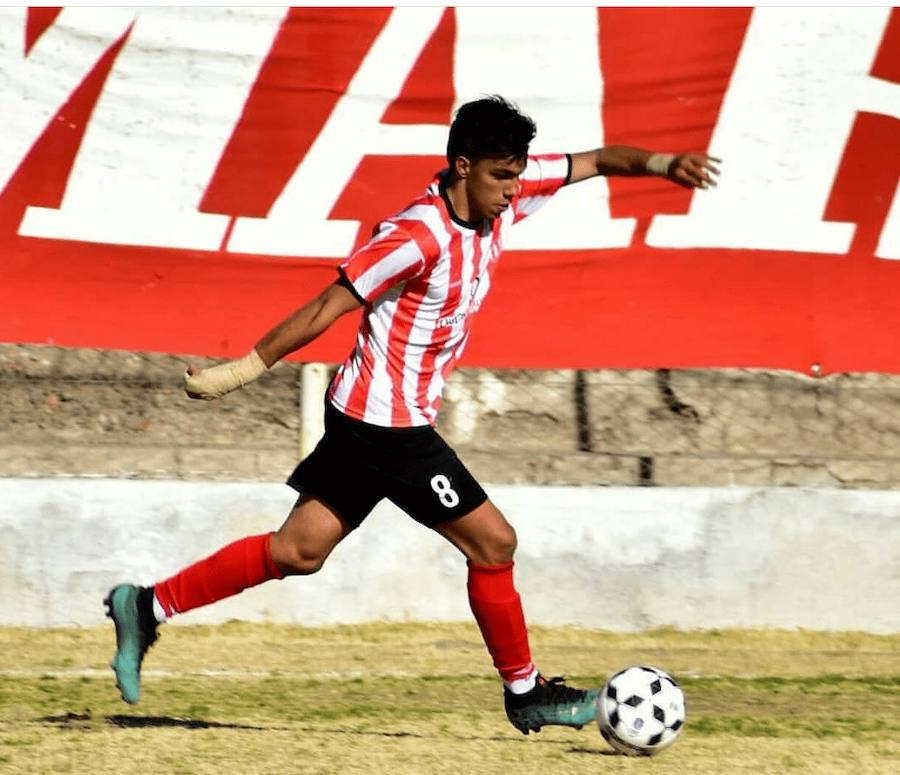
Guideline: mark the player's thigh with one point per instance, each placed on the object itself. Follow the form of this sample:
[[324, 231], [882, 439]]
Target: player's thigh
[[483, 535], [337, 474], [438, 491], [308, 535], [433, 485]]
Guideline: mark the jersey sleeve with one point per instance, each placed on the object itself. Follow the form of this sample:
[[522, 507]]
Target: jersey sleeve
[[390, 257], [542, 177]]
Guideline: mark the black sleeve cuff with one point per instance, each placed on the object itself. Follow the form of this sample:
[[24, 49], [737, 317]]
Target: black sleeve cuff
[[569, 171], [345, 281]]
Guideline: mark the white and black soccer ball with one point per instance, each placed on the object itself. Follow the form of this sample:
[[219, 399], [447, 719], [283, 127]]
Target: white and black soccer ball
[[640, 711]]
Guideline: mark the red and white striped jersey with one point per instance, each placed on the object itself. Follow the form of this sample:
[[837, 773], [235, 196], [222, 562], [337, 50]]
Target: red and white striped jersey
[[423, 276]]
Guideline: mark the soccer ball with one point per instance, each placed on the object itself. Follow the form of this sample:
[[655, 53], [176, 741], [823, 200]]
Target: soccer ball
[[640, 711]]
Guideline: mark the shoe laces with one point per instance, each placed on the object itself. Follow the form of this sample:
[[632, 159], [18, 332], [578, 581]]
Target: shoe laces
[[558, 693]]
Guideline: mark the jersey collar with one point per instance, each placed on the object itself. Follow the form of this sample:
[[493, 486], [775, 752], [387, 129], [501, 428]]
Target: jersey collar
[[441, 180]]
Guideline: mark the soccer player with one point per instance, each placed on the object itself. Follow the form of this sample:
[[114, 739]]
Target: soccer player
[[420, 280]]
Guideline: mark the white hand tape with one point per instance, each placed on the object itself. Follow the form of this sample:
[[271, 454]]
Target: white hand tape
[[218, 380], [659, 163]]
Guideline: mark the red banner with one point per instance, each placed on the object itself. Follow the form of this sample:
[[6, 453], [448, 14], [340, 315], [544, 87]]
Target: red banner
[[178, 180]]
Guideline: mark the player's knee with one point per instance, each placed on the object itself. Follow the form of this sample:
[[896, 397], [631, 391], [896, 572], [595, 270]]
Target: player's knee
[[296, 561], [499, 546], [305, 564], [508, 542]]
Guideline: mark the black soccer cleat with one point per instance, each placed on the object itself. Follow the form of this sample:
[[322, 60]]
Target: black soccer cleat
[[548, 703]]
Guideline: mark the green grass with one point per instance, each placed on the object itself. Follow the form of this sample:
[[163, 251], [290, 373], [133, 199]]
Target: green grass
[[802, 707], [423, 699]]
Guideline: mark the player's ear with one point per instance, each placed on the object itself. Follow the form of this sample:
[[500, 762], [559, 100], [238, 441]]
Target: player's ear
[[462, 166]]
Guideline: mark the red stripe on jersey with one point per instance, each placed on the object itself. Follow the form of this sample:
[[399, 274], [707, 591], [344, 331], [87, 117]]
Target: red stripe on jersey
[[450, 363], [398, 341], [543, 177], [543, 186], [454, 292], [422, 235], [404, 318], [359, 394], [484, 267], [370, 255], [389, 259]]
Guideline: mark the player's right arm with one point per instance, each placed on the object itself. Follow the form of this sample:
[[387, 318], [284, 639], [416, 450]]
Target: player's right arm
[[292, 333]]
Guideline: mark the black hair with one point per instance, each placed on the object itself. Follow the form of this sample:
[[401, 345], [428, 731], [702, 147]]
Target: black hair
[[490, 127]]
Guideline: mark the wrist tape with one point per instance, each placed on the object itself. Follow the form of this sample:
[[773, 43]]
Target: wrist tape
[[659, 163], [219, 380]]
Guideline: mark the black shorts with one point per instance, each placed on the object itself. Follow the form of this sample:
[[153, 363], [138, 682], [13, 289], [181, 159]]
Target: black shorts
[[356, 464]]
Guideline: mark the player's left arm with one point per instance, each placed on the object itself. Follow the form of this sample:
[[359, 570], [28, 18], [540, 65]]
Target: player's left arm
[[691, 170]]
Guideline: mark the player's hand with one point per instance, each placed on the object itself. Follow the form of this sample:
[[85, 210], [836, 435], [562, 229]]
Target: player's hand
[[216, 381], [694, 170], [189, 383]]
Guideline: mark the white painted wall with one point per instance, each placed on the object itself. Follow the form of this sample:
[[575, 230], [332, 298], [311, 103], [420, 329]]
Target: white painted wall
[[616, 558]]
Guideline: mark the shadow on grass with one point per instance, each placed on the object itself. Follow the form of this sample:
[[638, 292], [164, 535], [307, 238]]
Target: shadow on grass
[[370, 733], [509, 738], [595, 751], [140, 722], [143, 722], [84, 720]]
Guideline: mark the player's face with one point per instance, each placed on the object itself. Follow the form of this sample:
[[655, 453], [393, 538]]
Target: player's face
[[491, 185]]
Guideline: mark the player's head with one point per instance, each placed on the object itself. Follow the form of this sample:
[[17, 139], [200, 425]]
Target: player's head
[[489, 128], [487, 150]]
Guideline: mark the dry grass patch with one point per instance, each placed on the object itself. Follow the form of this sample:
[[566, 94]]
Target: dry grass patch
[[424, 699]]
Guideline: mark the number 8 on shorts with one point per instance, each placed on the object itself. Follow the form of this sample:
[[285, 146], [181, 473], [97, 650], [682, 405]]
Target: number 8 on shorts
[[447, 495]]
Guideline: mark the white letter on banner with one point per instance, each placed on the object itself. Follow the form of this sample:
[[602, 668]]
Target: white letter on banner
[[782, 130], [298, 222], [169, 106], [545, 60], [889, 244], [34, 88]]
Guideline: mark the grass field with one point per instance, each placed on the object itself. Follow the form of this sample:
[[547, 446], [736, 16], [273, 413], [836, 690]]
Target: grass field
[[412, 698]]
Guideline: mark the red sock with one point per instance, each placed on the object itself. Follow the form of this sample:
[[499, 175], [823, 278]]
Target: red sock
[[233, 568], [498, 611]]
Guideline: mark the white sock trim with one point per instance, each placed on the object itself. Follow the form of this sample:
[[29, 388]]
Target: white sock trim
[[523, 685], [158, 611]]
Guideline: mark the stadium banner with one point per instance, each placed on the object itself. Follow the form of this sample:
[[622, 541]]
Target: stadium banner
[[180, 179]]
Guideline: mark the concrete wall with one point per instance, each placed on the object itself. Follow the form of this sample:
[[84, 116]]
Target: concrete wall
[[81, 412], [617, 558]]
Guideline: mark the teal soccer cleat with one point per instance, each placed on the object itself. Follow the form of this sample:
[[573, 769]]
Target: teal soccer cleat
[[135, 633], [550, 702]]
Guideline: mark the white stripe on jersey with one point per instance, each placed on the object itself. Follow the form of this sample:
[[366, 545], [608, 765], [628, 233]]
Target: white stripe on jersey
[[424, 321], [377, 401], [394, 263], [530, 205], [458, 317]]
